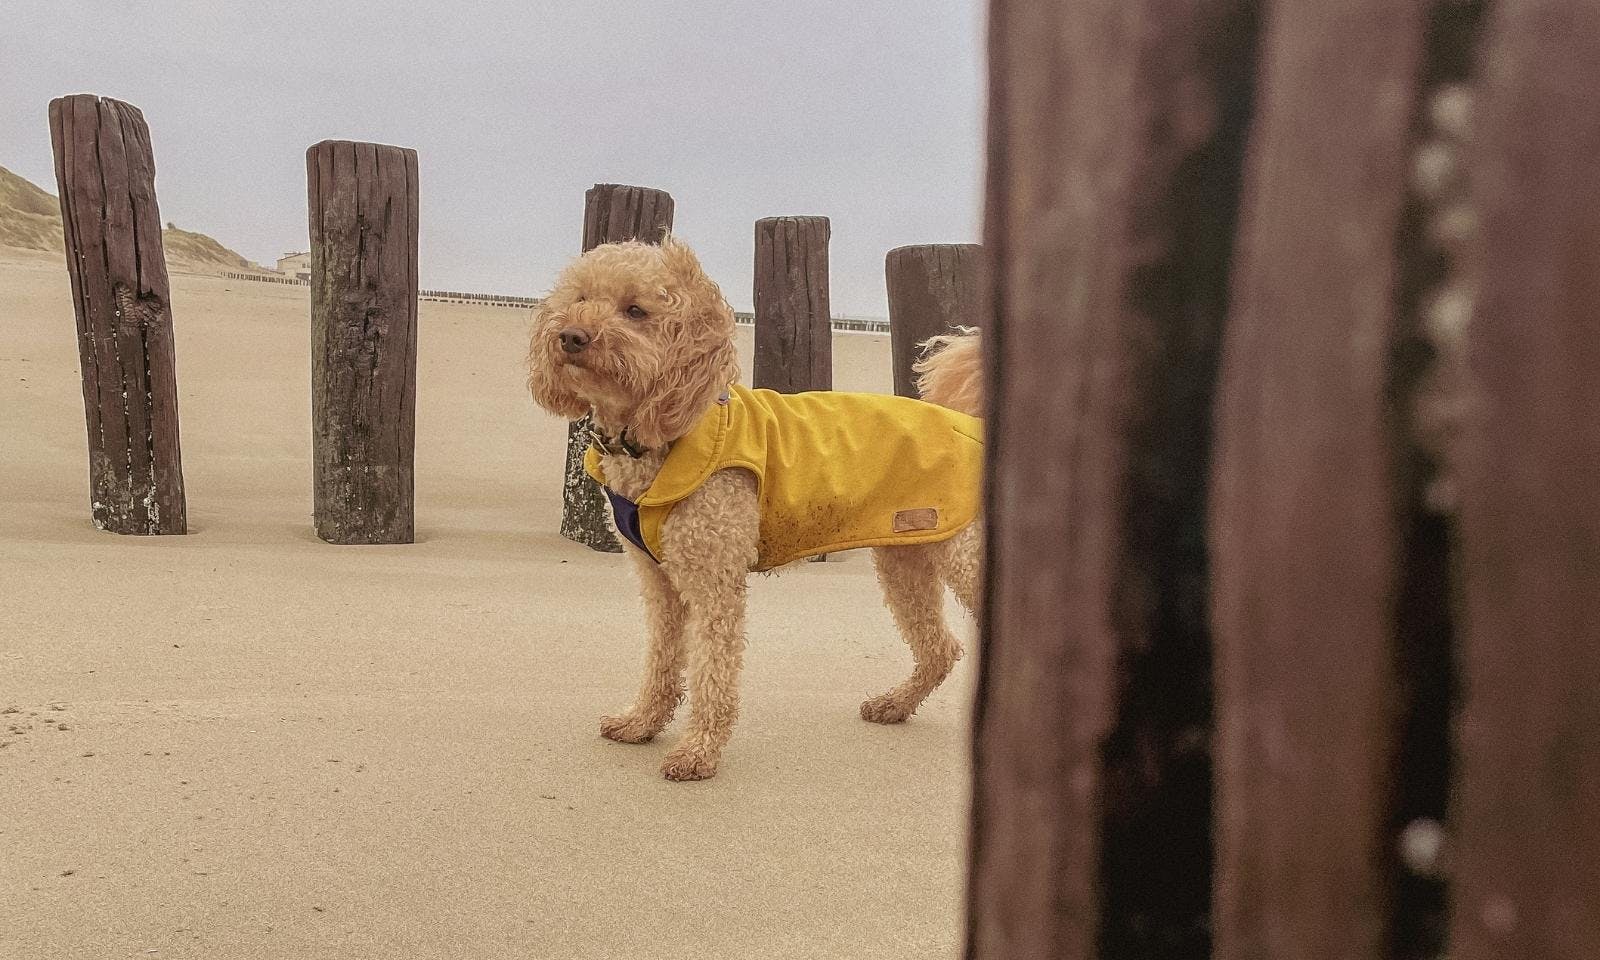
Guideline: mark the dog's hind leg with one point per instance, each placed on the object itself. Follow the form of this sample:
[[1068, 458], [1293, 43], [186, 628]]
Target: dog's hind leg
[[915, 594], [662, 687], [961, 564]]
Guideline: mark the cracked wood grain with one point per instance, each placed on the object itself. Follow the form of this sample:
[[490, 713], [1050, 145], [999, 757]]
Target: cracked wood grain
[[363, 219], [105, 170]]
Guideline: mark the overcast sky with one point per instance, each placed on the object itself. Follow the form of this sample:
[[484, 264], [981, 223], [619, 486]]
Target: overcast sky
[[867, 112]]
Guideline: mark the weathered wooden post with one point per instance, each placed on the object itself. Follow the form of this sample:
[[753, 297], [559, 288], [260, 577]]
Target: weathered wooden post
[[612, 212], [1311, 502], [363, 214], [106, 174], [794, 328], [933, 288], [1525, 832], [1390, 576], [794, 331], [1111, 239]]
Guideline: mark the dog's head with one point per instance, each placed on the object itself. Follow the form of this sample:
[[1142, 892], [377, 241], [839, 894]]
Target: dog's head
[[637, 333]]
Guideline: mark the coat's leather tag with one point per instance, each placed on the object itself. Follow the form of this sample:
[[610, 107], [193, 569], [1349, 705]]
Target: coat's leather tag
[[926, 518]]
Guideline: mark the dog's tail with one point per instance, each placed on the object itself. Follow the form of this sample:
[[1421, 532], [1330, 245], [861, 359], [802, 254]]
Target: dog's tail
[[950, 371]]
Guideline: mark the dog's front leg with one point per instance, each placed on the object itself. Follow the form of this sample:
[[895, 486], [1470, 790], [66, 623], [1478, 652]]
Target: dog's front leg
[[710, 542], [713, 680], [662, 686]]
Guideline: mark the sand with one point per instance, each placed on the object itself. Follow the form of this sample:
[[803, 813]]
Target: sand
[[246, 743]]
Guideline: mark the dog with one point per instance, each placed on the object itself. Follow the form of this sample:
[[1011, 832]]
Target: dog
[[709, 481]]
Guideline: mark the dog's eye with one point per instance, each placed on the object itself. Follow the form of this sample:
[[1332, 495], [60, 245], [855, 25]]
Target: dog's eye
[[637, 312]]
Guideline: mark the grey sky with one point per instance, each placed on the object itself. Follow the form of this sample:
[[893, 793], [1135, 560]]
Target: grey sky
[[867, 112]]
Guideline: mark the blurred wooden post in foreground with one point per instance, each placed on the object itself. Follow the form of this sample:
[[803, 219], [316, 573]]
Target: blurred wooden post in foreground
[[1527, 867], [1319, 595], [612, 212], [1113, 175], [1320, 500], [363, 218], [933, 288], [794, 327], [105, 171]]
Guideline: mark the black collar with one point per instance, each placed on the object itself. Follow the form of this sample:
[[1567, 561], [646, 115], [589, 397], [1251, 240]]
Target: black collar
[[618, 445], [621, 443]]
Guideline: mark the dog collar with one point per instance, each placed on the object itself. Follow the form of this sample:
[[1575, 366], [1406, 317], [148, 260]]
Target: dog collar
[[616, 446], [621, 444]]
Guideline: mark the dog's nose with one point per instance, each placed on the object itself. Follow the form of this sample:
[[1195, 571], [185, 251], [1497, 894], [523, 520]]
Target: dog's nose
[[574, 340]]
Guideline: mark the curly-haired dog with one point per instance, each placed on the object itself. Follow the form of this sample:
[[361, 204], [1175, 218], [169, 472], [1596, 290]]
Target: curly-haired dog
[[709, 481]]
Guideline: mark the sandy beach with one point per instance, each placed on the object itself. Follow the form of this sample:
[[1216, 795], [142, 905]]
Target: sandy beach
[[246, 743]]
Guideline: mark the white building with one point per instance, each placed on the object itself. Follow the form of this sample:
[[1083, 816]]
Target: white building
[[297, 265]]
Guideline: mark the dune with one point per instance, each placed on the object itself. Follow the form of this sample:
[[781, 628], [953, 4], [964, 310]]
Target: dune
[[30, 219], [246, 743], [30, 223]]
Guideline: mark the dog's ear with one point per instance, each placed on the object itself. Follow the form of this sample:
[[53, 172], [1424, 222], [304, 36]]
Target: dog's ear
[[544, 368], [690, 285], [681, 262], [685, 392], [698, 358]]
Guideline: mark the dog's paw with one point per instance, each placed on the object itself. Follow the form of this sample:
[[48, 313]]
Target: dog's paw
[[683, 764], [627, 728], [885, 709]]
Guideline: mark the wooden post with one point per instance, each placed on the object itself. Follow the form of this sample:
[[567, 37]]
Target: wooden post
[[363, 213], [1111, 237], [1401, 499], [105, 170], [794, 331], [933, 288], [1311, 505], [1526, 838], [612, 212]]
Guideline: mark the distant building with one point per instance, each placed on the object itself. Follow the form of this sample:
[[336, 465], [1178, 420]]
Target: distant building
[[297, 265]]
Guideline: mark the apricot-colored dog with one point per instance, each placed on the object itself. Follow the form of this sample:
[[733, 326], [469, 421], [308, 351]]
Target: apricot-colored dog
[[640, 338]]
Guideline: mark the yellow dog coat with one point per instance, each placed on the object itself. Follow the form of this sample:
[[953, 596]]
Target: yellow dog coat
[[834, 471]]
